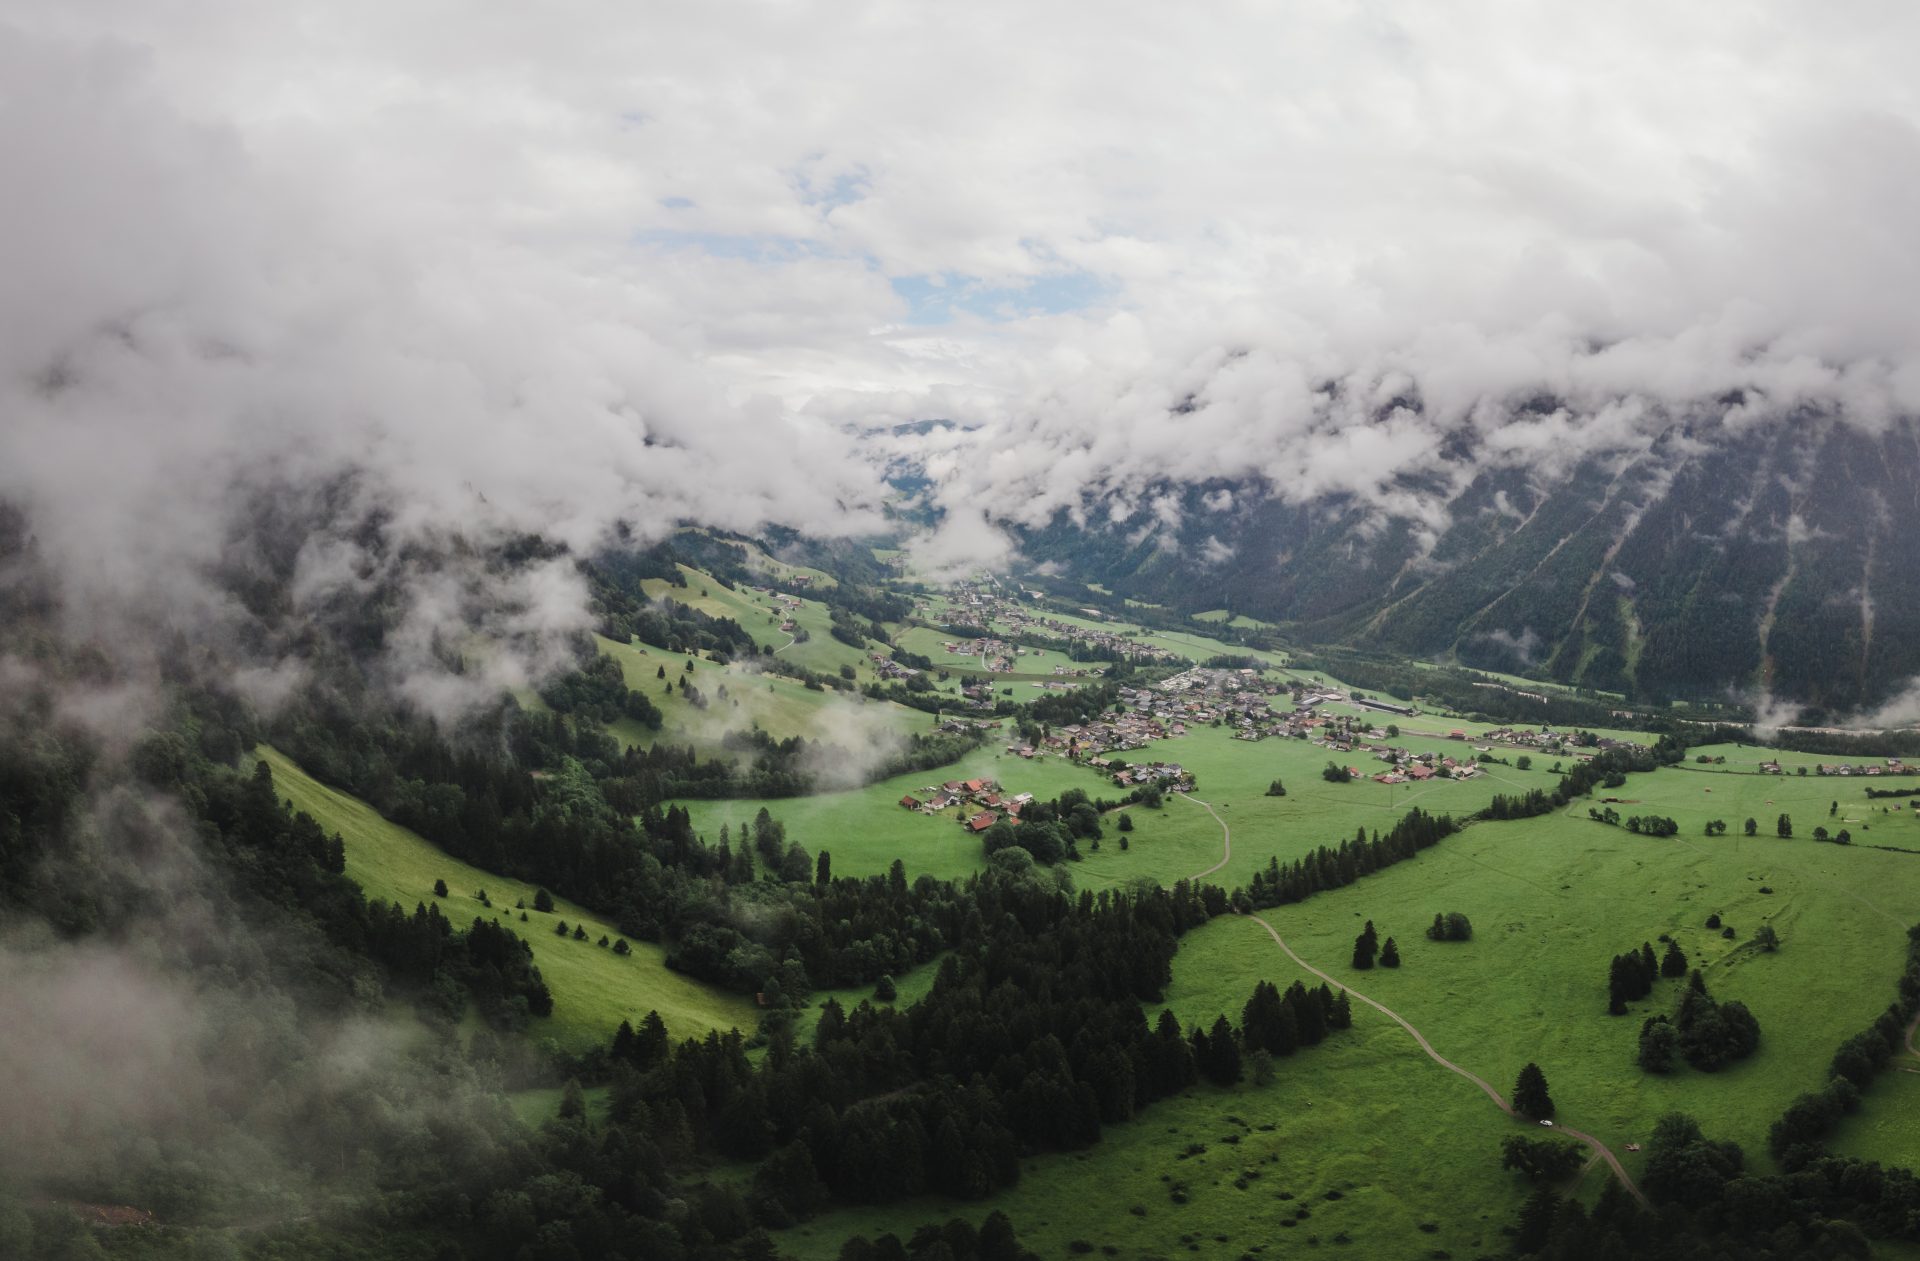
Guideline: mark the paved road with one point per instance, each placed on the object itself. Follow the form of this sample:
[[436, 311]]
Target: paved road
[[1600, 1149]]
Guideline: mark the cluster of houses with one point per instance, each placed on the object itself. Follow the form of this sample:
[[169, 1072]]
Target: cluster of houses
[[1578, 744], [1404, 767], [1170, 776], [1892, 766], [986, 609], [982, 802], [785, 605], [995, 655], [887, 668]]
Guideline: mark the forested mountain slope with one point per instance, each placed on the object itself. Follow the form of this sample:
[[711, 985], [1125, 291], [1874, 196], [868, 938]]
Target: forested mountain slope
[[1777, 558]]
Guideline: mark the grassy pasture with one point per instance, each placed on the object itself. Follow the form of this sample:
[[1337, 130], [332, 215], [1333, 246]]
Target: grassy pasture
[[1181, 839], [1552, 900], [1239, 621], [593, 988], [781, 707], [866, 829]]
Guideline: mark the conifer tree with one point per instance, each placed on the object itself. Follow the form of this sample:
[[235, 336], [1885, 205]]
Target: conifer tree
[[1365, 947], [1390, 955], [1530, 1097], [1223, 1054], [1675, 961]]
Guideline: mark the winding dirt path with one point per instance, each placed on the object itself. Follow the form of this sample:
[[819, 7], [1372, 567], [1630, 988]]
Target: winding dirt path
[[1600, 1149], [1226, 834]]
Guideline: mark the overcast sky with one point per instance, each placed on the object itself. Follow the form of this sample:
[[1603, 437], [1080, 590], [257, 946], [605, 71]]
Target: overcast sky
[[554, 264]]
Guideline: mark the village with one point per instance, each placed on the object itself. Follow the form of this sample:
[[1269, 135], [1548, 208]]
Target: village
[[1891, 766], [984, 609], [982, 802]]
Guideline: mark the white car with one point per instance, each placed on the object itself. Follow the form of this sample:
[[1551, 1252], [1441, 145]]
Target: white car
[[1547, 1123]]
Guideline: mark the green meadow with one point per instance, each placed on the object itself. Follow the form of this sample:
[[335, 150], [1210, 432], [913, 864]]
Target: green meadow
[[779, 706], [1181, 839], [1238, 621], [1406, 1142], [593, 988], [866, 828]]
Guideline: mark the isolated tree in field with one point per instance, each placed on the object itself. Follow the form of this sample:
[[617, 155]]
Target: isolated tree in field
[[1753, 827], [1335, 773], [1439, 930], [1365, 947], [884, 989], [439, 888], [661, 673], [1125, 823], [1530, 1097], [543, 901], [1523, 763], [1276, 789], [1713, 921], [1393, 731], [1820, 833], [1769, 939], [560, 929], [1833, 809], [1674, 963], [1784, 826], [1390, 954], [823, 868]]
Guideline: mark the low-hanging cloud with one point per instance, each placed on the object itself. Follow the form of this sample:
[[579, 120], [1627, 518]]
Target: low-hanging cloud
[[547, 272]]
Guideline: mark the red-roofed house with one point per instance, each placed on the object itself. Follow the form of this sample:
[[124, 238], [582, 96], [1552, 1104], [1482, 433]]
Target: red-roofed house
[[982, 821]]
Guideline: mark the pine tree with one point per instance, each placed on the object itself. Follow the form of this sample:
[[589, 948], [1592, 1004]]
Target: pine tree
[[1365, 947], [1675, 961], [1439, 930], [1390, 955], [1223, 1053], [1617, 987], [823, 868], [1530, 1097]]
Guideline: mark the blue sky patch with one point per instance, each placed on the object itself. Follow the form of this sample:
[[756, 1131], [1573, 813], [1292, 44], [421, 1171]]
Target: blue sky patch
[[938, 299]]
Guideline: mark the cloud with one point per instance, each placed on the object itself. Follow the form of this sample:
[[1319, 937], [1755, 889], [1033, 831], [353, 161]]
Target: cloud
[[538, 273], [224, 305]]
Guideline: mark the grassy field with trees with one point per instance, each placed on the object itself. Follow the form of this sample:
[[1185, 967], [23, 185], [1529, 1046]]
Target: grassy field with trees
[[594, 989]]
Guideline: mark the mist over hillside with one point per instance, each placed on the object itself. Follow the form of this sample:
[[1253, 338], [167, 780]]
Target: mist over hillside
[[1773, 560]]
